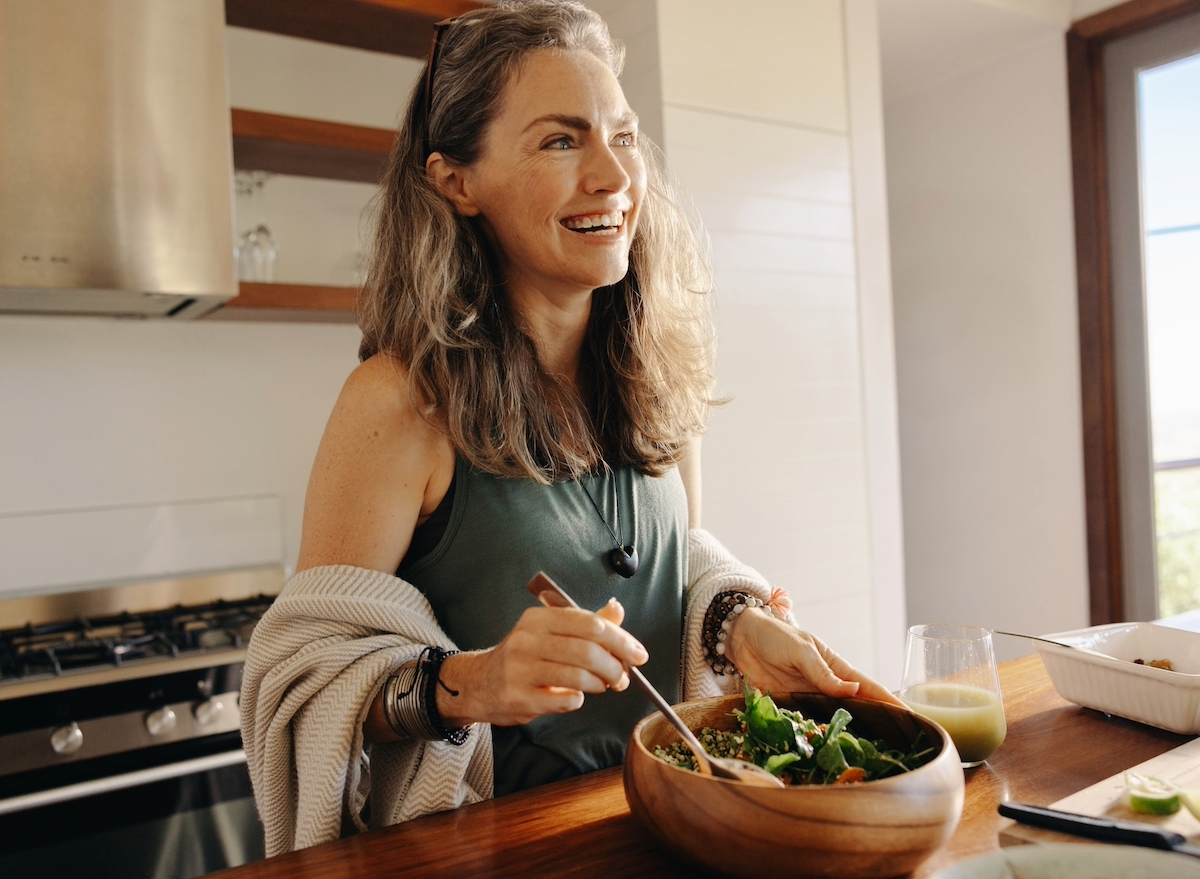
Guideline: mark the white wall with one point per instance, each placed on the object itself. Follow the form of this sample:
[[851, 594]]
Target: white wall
[[101, 415], [766, 150], [979, 184]]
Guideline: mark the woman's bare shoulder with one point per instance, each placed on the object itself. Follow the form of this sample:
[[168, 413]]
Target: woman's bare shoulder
[[376, 414], [378, 460]]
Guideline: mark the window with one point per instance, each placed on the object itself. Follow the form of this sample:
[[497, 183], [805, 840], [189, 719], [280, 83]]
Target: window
[[1169, 139], [1135, 114]]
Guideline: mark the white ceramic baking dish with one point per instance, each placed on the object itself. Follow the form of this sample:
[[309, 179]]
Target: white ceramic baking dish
[[1109, 680]]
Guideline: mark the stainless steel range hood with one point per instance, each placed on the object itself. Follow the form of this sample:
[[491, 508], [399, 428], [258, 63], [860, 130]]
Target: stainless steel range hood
[[115, 158]]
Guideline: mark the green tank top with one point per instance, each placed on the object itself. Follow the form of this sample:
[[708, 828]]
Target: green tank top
[[499, 533]]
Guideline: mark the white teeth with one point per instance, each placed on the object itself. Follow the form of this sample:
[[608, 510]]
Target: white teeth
[[596, 222]]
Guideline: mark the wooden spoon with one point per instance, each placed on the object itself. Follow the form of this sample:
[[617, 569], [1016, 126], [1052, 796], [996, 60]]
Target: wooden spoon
[[551, 594]]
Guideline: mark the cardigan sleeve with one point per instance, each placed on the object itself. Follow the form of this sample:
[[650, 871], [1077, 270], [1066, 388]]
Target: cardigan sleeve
[[315, 662], [712, 569]]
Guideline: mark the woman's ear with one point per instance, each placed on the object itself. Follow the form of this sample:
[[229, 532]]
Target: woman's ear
[[451, 181]]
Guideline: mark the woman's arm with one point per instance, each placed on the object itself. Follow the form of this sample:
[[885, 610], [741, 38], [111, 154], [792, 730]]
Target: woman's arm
[[773, 654], [379, 470]]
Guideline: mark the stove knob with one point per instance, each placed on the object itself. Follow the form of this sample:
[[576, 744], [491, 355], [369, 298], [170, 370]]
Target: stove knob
[[67, 739], [160, 722], [208, 711]]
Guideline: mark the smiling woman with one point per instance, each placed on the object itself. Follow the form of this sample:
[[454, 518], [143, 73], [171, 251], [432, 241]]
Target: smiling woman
[[537, 370], [518, 174]]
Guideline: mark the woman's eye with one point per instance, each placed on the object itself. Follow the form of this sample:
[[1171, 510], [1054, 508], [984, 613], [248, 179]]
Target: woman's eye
[[559, 143], [626, 140]]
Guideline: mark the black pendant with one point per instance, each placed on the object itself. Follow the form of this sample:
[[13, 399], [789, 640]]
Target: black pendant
[[624, 560]]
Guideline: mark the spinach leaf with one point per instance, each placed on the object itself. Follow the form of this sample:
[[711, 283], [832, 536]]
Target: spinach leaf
[[852, 749], [776, 763], [840, 720], [831, 759], [767, 725]]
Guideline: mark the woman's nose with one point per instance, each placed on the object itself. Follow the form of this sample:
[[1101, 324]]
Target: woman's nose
[[604, 171]]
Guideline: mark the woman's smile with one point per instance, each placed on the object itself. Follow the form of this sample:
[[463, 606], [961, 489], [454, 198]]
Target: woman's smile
[[607, 225]]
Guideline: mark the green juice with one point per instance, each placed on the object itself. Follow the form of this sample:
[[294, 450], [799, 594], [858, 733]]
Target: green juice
[[973, 716]]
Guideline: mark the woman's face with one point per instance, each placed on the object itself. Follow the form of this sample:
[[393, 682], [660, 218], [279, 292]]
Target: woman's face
[[559, 182]]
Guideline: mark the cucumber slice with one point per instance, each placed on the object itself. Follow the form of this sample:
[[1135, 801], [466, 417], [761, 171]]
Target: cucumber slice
[[1150, 795]]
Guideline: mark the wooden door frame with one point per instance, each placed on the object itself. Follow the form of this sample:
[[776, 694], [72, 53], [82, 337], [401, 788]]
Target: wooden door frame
[[1093, 256]]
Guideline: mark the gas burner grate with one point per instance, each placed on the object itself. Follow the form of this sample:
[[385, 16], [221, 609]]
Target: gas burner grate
[[55, 648]]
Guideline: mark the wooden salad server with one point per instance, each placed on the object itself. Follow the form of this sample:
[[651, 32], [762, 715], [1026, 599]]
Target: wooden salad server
[[551, 594]]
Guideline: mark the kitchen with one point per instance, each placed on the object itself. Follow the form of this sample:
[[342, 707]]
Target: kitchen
[[155, 449]]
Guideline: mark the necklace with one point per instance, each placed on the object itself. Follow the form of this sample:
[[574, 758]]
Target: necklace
[[623, 558]]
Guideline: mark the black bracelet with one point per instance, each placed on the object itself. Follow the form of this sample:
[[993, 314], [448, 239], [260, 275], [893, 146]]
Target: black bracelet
[[433, 679], [718, 619], [410, 700]]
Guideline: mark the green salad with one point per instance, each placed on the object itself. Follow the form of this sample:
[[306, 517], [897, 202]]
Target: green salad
[[797, 749]]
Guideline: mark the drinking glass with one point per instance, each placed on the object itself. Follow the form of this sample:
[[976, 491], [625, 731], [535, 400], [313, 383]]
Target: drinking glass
[[950, 677], [256, 255]]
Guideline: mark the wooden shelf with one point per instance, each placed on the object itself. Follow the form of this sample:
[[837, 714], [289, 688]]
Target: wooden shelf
[[309, 147], [315, 148], [289, 302], [397, 27]]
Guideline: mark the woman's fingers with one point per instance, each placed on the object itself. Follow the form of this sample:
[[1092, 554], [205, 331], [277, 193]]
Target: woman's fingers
[[590, 626], [586, 656], [826, 669], [614, 612], [867, 687], [550, 660], [815, 667]]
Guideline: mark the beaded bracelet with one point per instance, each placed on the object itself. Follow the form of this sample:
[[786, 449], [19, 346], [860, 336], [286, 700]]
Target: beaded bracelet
[[410, 700], [718, 618]]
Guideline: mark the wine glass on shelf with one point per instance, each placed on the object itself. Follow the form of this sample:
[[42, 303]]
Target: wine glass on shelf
[[265, 253], [950, 677], [256, 248]]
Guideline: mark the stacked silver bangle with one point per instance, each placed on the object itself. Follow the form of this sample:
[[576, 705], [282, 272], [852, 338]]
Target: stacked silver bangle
[[410, 700], [718, 619]]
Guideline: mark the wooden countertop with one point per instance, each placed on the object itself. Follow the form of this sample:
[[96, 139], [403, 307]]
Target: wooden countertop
[[582, 827]]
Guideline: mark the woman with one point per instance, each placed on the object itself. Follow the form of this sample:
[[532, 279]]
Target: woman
[[536, 375]]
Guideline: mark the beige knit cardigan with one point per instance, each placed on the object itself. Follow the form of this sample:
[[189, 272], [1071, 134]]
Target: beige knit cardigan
[[322, 652]]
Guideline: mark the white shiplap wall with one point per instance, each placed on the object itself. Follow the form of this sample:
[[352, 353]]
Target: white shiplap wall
[[757, 126]]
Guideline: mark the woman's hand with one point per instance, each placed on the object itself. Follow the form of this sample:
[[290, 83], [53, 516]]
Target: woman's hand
[[777, 657], [545, 665]]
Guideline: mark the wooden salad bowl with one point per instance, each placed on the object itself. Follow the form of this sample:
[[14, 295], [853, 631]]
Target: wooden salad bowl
[[855, 831]]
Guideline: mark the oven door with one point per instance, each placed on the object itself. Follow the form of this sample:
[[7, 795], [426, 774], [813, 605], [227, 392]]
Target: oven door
[[170, 821]]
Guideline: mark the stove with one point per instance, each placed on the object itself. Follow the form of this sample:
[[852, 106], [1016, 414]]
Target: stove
[[33, 652], [108, 693], [87, 688]]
